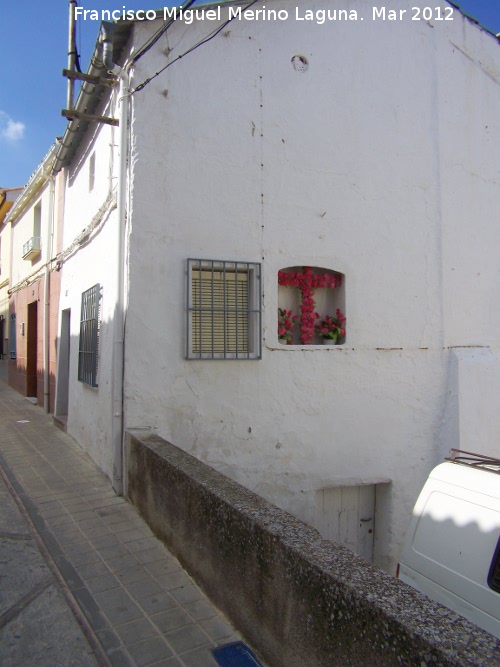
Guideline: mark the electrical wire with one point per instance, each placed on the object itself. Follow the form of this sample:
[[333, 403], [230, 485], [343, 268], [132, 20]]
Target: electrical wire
[[205, 40], [156, 36], [76, 54], [77, 61]]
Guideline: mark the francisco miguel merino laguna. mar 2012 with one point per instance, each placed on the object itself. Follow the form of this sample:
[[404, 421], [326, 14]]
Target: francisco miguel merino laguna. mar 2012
[[218, 13]]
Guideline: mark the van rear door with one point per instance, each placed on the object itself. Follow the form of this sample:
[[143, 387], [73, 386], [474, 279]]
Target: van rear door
[[452, 543]]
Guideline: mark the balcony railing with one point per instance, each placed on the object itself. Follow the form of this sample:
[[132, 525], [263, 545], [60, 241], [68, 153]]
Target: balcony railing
[[31, 248]]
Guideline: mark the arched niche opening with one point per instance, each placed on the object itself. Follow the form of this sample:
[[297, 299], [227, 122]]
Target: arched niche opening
[[311, 306]]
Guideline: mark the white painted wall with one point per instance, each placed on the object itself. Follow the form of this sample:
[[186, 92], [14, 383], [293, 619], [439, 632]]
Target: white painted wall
[[93, 261], [5, 235], [22, 230], [379, 162]]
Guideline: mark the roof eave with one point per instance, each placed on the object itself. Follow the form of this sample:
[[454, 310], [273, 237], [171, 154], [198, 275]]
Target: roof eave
[[89, 97], [34, 186]]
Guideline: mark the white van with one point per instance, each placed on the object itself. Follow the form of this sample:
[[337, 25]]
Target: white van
[[452, 548]]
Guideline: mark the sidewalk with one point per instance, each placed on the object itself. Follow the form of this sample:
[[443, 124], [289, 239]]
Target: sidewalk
[[83, 579]]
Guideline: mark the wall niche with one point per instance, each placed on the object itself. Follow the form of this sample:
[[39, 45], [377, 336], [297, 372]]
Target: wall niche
[[311, 306]]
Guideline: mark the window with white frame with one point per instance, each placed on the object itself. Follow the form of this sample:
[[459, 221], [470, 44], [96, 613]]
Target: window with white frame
[[224, 310], [88, 348]]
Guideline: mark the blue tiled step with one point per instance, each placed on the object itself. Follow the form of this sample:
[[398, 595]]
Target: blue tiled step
[[236, 654]]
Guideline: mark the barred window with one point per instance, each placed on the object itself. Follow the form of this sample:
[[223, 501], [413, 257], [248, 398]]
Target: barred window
[[90, 324], [224, 310]]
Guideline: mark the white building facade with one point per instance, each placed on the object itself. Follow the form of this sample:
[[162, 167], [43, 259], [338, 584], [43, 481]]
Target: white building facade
[[353, 162], [89, 287]]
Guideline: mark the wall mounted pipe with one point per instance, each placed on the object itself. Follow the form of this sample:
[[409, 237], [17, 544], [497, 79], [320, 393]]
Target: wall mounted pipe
[[71, 54], [46, 298], [107, 30]]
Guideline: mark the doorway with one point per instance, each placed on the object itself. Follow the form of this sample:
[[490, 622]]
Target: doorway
[[62, 390], [32, 345], [346, 515]]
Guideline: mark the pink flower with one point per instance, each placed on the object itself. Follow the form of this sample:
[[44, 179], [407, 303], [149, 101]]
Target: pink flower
[[286, 320], [332, 327], [308, 282]]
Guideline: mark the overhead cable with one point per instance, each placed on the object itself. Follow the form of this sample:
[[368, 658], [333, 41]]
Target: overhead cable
[[156, 36], [205, 40]]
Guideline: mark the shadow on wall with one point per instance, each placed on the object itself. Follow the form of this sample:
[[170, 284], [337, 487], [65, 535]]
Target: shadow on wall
[[17, 375], [29, 385]]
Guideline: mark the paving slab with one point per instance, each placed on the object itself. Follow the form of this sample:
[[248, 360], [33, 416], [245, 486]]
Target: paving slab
[[92, 584], [32, 601]]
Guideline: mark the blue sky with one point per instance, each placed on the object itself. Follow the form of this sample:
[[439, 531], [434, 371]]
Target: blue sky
[[33, 51]]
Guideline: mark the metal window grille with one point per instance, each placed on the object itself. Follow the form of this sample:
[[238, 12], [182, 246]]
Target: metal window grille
[[88, 349], [224, 310], [13, 332]]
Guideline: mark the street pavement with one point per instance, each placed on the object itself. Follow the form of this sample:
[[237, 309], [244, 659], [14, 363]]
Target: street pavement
[[32, 604], [83, 581]]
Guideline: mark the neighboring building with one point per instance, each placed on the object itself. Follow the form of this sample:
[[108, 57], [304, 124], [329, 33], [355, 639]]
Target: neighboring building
[[89, 284], [7, 198], [366, 150], [34, 286]]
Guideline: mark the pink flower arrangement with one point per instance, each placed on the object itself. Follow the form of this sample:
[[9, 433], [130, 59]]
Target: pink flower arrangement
[[332, 327], [308, 282], [307, 277], [286, 323], [308, 317]]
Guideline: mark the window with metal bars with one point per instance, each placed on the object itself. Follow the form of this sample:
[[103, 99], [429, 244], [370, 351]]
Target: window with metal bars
[[88, 348], [224, 310]]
